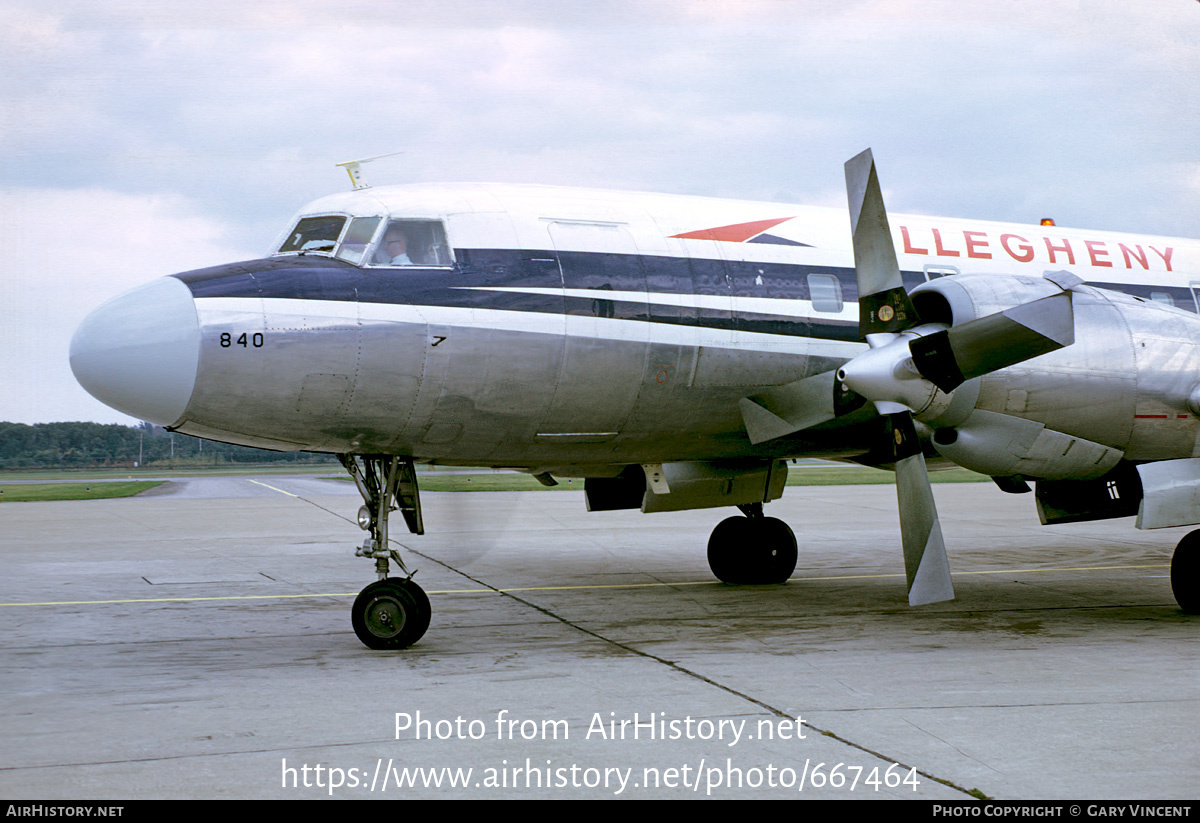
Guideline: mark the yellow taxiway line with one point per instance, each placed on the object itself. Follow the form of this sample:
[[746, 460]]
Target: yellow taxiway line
[[561, 588]]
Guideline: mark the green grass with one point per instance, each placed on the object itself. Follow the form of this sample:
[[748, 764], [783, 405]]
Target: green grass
[[28, 492], [237, 469], [434, 479], [865, 476], [506, 482], [797, 476]]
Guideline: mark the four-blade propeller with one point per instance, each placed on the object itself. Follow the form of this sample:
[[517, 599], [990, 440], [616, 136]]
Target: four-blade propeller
[[902, 371]]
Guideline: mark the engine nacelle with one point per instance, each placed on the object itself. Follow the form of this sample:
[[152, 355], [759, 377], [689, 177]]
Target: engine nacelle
[[1122, 389], [1001, 445]]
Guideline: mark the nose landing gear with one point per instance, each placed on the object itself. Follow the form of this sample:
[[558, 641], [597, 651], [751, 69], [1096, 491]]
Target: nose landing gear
[[392, 612]]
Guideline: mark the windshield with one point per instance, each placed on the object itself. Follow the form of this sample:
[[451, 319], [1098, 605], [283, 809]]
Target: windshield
[[314, 234], [358, 237], [367, 241]]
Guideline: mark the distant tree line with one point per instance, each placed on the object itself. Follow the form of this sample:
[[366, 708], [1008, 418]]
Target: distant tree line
[[88, 445]]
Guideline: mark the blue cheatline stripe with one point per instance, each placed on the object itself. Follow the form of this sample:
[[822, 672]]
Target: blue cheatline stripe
[[531, 281]]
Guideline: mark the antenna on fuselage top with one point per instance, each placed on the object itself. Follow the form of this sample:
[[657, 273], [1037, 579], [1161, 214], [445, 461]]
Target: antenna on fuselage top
[[354, 169]]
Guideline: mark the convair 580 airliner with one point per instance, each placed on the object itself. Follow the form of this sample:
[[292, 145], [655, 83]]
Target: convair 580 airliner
[[675, 352]]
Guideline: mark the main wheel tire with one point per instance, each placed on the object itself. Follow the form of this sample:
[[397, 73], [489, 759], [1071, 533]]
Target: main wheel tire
[[752, 551], [726, 549], [777, 552], [1185, 573], [391, 614]]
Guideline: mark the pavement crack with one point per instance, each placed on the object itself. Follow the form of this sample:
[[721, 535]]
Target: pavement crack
[[945, 742]]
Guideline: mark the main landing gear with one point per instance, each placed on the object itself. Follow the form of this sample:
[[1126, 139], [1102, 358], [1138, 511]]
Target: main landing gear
[[1185, 573], [752, 549], [392, 612]]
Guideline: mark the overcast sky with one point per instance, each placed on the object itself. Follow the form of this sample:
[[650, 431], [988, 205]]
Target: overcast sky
[[143, 138]]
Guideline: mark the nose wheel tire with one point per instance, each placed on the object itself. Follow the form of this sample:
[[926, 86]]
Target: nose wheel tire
[[391, 614], [752, 550]]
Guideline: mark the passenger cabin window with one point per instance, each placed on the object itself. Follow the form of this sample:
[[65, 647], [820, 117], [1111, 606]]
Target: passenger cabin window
[[412, 243], [1162, 297], [318, 234], [825, 291]]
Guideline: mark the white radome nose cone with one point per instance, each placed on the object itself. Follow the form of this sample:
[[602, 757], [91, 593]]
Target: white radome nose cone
[[138, 353]]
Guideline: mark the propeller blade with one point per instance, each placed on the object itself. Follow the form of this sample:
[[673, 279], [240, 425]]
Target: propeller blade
[[925, 562], [948, 358], [885, 376], [798, 405], [883, 304]]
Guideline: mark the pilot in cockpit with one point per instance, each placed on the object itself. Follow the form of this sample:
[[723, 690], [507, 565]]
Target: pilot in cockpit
[[394, 250], [411, 243]]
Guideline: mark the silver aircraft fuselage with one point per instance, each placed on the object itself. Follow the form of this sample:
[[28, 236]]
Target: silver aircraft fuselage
[[579, 331], [675, 352]]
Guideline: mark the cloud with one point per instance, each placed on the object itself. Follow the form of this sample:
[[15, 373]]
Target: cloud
[[247, 107], [66, 252], [233, 114]]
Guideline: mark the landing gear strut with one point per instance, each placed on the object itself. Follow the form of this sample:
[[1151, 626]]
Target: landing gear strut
[[1185, 573], [392, 612], [752, 549]]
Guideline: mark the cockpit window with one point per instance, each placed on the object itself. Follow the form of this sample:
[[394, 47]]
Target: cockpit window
[[314, 234], [358, 237], [371, 241], [412, 243]]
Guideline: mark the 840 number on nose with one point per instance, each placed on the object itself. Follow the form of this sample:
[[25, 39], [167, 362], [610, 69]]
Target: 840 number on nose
[[244, 340]]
